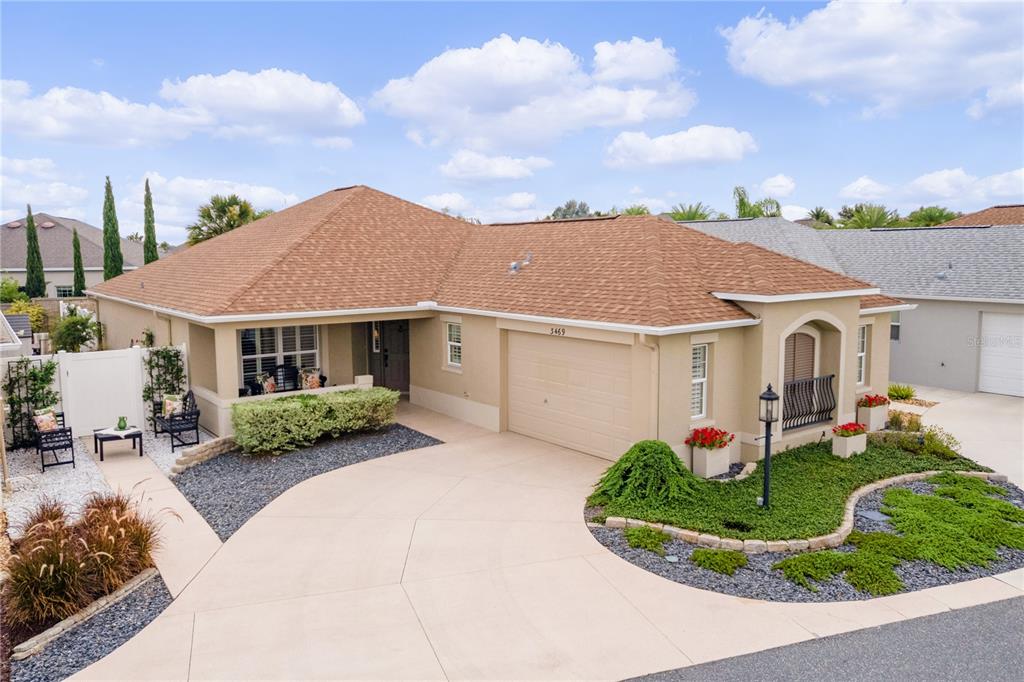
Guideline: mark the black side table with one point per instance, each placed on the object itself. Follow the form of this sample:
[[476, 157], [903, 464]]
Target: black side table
[[101, 436]]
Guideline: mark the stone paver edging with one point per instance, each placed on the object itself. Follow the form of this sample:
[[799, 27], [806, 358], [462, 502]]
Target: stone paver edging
[[202, 452], [831, 540], [34, 645]]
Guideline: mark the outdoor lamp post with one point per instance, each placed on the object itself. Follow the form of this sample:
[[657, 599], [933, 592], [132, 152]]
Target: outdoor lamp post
[[768, 414]]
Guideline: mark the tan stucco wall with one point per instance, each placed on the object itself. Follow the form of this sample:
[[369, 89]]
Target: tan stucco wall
[[123, 323], [877, 379], [202, 356], [336, 353]]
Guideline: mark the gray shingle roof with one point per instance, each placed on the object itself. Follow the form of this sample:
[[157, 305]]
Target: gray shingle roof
[[976, 262], [55, 244]]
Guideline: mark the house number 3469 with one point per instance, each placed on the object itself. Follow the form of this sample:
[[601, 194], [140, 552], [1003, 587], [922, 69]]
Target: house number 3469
[[557, 331]]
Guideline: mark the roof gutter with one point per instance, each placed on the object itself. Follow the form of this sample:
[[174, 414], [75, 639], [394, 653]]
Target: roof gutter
[[433, 305], [964, 299], [785, 298], [888, 308]]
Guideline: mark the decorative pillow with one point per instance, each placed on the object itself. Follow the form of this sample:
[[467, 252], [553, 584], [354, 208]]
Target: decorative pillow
[[46, 420], [269, 384], [172, 404], [311, 378]]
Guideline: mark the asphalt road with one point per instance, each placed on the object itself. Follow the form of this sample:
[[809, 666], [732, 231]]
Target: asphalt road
[[978, 643]]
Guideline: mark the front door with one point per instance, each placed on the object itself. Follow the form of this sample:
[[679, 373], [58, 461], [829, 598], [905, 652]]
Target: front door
[[389, 354]]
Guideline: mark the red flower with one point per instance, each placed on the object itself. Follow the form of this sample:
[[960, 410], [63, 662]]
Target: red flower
[[872, 400], [849, 429], [710, 438]]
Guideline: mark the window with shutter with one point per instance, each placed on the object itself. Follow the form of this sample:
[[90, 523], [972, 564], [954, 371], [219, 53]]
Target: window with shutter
[[799, 356]]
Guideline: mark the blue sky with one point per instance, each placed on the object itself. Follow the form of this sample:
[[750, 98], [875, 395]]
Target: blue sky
[[503, 111]]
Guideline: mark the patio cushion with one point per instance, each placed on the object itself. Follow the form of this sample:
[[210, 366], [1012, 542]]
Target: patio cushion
[[310, 378], [45, 420], [172, 404]]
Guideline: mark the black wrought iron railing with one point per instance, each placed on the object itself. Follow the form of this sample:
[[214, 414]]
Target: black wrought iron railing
[[807, 401]]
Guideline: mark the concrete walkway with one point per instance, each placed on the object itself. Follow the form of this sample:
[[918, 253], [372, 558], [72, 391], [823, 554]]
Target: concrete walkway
[[467, 560], [188, 542]]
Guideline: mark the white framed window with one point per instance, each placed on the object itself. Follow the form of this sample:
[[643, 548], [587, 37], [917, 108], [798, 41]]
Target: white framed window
[[894, 327], [264, 348], [375, 336], [862, 353], [65, 292], [699, 381], [453, 343]]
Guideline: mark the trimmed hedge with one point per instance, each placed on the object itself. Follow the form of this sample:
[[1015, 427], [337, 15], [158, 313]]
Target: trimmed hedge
[[283, 424]]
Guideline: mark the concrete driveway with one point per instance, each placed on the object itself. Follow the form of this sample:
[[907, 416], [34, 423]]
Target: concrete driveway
[[990, 427], [468, 560]]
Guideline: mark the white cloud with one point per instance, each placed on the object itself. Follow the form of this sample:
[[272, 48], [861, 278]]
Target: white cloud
[[449, 201], [176, 201], [778, 186], [466, 164], [864, 189], [889, 54], [699, 144], [638, 59], [998, 97], [39, 168], [519, 91], [79, 115], [517, 201], [794, 212], [334, 142], [959, 186], [272, 103]]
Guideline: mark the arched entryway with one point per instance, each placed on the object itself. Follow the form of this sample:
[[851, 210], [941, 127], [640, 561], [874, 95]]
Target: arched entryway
[[809, 372]]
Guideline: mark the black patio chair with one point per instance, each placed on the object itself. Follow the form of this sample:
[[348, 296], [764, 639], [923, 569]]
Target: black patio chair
[[286, 377], [54, 442], [181, 424]]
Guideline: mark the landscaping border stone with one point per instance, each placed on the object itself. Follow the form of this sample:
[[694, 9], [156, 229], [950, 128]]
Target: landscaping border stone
[[200, 453], [832, 540], [33, 645]]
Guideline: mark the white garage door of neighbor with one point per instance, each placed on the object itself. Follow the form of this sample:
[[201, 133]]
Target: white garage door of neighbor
[[1001, 368], [570, 392]]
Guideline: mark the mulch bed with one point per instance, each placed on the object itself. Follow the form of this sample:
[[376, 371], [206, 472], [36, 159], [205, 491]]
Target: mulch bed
[[230, 489], [758, 580]]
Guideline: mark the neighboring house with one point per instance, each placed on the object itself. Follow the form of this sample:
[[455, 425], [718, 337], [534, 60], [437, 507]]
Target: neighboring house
[[967, 331], [12, 342], [590, 333], [1004, 215], [55, 247]]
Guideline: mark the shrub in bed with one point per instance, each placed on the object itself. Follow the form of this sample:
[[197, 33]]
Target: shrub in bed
[[283, 424], [59, 567], [724, 561], [648, 538], [901, 392], [648, 475]]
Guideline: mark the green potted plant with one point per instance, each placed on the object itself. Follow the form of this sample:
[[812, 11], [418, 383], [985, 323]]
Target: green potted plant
[[873, 411], [849, 439], [711, 448]]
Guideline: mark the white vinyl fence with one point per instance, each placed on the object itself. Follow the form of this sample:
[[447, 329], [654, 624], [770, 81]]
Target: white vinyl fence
[[97, 387]]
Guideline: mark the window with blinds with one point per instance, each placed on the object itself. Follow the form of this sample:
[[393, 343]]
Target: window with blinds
[[799, 356], [264, 348], [699, 381]]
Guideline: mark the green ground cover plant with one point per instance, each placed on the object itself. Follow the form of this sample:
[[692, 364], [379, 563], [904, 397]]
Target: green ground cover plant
[[901, 392], [809, 489], [282, 424], [963, 523], [647, 538], [724, 561]]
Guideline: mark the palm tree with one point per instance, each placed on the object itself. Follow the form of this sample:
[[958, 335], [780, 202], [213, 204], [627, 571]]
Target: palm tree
[[820, 215], [636, 209], [931, 215], [221, 215], [698, 211], [865, 216], [571, 209], [764, 208]]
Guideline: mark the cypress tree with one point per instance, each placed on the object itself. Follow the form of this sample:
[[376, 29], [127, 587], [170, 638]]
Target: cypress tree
[[76, 255], [149, 250], [113, 260], [35, 281]]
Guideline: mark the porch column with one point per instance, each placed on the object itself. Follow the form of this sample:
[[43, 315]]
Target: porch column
[[226, 345]]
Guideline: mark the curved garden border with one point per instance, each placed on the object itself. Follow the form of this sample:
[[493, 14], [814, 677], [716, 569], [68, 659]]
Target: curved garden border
[[831, 540]]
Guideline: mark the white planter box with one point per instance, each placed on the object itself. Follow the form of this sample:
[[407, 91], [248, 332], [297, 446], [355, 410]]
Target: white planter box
[[873, 417], [850, 445], [709, 463]]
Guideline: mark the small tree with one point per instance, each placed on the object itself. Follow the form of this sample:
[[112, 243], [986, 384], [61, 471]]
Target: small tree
[[149, 249], [698, 211], [113, 259], [820, 214], [221, 215], [571, 209], [763, 208], [79, 270], [931, 215], [10, 291], [74, 331], [636, 209], [866, 216], [35, 281], [35, 312]]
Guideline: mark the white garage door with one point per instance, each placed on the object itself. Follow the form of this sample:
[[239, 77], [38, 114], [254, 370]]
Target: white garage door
[[571, 392], [1001, 369]]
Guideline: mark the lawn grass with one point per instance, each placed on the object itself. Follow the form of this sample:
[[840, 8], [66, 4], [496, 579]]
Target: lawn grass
[[962, 524], [808, 494]]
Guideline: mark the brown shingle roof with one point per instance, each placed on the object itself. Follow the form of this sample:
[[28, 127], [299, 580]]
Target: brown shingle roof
[[1008, 214], [359, 248], [878, 301]]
